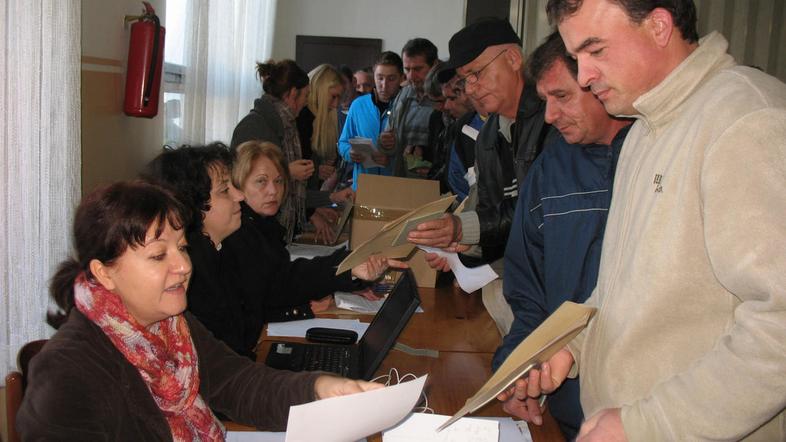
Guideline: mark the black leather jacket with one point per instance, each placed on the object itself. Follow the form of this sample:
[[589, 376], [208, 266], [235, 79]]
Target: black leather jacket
[[502, 165]]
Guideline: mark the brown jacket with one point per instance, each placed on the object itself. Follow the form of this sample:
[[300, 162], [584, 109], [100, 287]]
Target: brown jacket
[[82, 388]]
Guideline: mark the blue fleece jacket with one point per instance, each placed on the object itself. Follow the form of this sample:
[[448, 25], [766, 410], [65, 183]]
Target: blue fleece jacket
[[363, 120], [553, 251]]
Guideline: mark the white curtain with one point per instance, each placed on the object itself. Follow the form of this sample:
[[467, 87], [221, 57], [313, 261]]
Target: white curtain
[[224, 40], [40, 156]]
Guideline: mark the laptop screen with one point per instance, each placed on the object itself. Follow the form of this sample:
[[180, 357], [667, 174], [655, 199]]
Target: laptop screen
[[392, 317]]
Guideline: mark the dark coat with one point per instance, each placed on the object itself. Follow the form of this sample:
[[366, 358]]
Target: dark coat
[[82, 388], [272, 285], [502, 166], [261, 123]]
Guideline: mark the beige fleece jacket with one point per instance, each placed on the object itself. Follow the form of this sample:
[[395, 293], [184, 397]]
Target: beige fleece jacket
[[690, 335]]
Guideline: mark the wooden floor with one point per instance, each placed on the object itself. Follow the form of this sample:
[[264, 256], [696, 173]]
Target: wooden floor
[[458, 327]]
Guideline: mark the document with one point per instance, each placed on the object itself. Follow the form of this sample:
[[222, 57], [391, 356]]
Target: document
[[255, 436], [297, 329], [546, 340], [365, 147], [359, 304], [349, 418], [469, 279], [302, 250], [383, 242], [420, 427]]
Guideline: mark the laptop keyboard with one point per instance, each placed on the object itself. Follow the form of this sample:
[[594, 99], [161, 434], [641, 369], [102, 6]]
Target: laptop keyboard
[[327, 358]]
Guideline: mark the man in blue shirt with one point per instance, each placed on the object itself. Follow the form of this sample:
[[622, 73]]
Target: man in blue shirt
[[553, 251]]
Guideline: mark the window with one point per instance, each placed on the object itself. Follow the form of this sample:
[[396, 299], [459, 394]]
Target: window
[[174, 68]]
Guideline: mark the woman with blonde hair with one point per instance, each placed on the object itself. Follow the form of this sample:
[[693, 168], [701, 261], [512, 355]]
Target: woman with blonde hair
[[318, 121]]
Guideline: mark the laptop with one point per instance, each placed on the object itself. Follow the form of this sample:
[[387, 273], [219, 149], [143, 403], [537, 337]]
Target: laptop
[[361, 360]]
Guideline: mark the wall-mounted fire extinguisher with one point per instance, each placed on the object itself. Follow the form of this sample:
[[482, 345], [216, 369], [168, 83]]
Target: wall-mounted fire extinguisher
[[145, 60]]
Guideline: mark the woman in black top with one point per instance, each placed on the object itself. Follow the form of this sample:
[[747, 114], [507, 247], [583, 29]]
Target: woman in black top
[[234, 291]]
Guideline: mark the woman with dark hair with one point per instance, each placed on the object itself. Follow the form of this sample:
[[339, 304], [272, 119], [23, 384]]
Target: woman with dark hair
[[127, 363], [236, 290], [286, 88]]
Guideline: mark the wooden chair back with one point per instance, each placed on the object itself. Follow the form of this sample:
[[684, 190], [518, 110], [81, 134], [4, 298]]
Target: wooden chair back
[[15, 383]]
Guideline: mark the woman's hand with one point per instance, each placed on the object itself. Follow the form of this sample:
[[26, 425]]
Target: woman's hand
[[321, 305], [301, 170], [325, 171], [331, 386], [375, 266], [323, 230], [342, 195]]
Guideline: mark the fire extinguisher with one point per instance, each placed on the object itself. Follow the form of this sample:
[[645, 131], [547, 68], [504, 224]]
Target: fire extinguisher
[[145, 60]]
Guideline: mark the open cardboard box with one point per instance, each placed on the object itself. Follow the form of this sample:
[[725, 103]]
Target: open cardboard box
[[381, 199]]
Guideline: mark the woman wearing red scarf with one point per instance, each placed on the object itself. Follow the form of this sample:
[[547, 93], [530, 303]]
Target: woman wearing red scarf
[[126, 362]]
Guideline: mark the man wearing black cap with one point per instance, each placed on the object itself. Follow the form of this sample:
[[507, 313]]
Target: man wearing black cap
[[488, 62]]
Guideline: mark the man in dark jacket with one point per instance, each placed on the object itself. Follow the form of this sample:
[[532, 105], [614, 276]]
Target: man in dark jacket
[[488, 61]]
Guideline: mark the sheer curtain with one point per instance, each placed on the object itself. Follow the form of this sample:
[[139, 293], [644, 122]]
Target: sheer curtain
[[40, 156], [224, 40]]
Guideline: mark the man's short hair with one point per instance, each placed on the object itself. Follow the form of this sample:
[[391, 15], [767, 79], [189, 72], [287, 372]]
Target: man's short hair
[[431, 84], [422, 47], [544, 56], [683, 12], [389, 58]]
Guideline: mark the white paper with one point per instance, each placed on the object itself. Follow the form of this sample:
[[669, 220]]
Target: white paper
[[255, 436], [300, 250], [420, 427], [348, 418], [470, 176], [359, 304], [365, 147], [297, 329], [470, 132], [469, 279]]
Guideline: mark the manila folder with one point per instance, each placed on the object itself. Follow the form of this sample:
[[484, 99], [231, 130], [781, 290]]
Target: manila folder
[[551, 336]]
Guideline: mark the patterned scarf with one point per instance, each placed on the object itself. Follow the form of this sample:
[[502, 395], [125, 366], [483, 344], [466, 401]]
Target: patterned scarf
[[164, 355], [293, 211]]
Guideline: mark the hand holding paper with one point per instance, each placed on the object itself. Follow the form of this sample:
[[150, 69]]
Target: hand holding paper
[[522, 399], [543, 343]]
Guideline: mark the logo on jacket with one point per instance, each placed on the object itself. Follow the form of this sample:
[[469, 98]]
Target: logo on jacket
[[656, 182]]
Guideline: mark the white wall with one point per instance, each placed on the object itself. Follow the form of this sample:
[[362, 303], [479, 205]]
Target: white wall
[[114, 146], [394, 22]]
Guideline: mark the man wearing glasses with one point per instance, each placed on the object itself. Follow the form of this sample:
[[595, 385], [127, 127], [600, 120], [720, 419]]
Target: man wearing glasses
[[489, 65]]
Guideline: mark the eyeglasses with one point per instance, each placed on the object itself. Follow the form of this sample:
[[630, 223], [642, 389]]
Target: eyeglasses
[[473, 77]]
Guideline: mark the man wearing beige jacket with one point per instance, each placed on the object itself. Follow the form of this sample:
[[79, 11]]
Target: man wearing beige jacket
[[689, 341]]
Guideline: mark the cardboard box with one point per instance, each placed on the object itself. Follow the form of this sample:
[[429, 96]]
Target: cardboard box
[[381, 199]]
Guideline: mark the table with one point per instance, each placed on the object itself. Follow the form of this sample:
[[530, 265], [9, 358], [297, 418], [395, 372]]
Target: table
[[458, 326]]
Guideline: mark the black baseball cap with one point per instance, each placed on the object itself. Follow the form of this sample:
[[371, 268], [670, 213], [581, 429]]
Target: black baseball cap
[[468, 43]]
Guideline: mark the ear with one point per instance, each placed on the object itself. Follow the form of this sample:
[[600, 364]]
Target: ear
[[661, 26], [102, 273], [514, 58]]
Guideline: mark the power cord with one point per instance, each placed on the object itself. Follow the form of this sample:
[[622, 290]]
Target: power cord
[[393, 378]]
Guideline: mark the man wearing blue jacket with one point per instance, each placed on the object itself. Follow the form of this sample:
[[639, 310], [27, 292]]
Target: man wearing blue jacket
[[553, 251], [369, 113]]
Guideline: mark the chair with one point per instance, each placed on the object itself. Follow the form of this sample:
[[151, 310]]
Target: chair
[[15, 383]]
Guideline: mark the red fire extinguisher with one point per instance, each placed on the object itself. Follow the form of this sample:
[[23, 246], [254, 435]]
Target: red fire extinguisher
[[145, 59]]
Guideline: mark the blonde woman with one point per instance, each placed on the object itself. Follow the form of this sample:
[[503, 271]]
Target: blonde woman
[[318, 121]]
